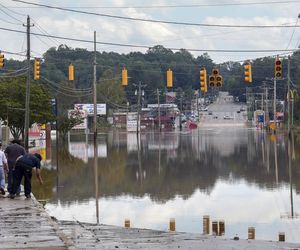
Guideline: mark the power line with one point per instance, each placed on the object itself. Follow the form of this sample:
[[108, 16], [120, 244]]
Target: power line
[[153, 20], [1, 9], [66, 88], [147, 47], [13, 53], [173, 6], [8, 8]]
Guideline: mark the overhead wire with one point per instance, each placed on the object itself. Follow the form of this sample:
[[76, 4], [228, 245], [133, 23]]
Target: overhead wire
[[153, 20], [174, 5], [11, 16], [291, 38], [54, 89], [147, 47], [66, 88], [15, 12]]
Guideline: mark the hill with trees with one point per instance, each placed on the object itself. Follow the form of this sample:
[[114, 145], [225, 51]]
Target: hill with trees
[[150, 69]]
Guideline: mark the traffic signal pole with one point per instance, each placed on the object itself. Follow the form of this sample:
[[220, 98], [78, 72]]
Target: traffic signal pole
[[27, 101]]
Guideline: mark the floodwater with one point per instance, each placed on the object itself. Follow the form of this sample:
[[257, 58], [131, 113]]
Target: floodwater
[[242, 176]]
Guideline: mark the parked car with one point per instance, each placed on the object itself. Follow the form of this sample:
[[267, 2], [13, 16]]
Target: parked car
[[210, 113], [227, 117]]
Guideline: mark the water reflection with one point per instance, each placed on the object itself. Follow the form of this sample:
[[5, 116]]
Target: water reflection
[[246, 177]]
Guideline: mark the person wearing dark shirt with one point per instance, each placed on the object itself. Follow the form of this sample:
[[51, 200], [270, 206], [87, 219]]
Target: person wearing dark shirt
[[12, 152], [24, 166]]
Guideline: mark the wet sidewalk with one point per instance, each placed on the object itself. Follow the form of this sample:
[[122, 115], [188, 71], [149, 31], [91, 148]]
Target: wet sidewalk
[[24, 224]]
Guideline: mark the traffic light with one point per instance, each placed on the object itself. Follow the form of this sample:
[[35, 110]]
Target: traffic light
[[278, 68], [36, 69], [203, 80], [215, 80], [1, 60], [219, 81], [169, 78], [71, 72], [248, 72], [215, 72], [211, 81], [124, 77]]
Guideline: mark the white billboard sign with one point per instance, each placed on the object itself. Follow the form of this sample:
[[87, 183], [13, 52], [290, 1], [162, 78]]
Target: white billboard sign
[[89, 108]]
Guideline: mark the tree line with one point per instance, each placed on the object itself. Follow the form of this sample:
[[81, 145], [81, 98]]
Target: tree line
[[150, 69]]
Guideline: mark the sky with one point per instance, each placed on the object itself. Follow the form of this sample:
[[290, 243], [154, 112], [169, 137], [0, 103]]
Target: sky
[[82, 26]]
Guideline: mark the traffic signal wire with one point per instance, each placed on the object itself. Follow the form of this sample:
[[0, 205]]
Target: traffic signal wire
[[153, 20]]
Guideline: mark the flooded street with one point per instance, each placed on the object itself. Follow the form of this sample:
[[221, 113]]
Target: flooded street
[[241, 176]]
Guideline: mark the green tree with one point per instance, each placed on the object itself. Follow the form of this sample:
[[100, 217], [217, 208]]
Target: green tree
[[67, 122], [12, 104], [110, 91]]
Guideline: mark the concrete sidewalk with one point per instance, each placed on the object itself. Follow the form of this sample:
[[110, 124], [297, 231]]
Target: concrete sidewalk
[[24, 224]]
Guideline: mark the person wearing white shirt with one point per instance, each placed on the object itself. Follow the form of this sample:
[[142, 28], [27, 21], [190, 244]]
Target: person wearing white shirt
[[3, 167]]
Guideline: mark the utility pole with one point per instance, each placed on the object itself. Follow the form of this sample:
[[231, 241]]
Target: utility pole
[[139, 108], [198, 104], [158, 103], [274, 106], [267, 107], [95, 129], [27, 101], [95, 91], [180, 123], [289, 97]]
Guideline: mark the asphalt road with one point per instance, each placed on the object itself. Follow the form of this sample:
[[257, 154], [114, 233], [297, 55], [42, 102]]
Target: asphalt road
[[224, 107]]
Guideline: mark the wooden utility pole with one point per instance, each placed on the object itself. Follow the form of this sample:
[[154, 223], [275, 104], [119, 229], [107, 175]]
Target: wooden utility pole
[[95, 91], [27, 101], [288, 98], [95, 129], [180, 123], [158, 103], [139, 108]]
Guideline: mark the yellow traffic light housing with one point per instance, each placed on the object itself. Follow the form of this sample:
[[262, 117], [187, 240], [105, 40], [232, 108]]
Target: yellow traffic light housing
[[1, 60], [71, 72], [169, 78], [248, 72], [203, 80], [278, 68], [124, 77], [36, 69]]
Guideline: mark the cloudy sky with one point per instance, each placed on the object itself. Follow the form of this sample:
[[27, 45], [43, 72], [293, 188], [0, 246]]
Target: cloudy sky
[[81, 26]]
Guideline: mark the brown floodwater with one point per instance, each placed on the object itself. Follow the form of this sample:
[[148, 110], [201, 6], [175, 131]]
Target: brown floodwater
[[243, 177]]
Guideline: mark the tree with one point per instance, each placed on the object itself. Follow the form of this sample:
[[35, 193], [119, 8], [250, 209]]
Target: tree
[[12, 104], [110, 91], [67, 122]]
